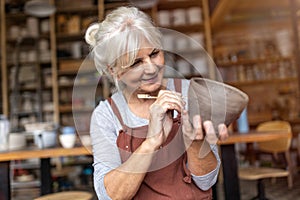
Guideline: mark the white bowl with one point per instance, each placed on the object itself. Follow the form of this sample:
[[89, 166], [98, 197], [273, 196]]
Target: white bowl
[[39, 8], [67, 140], [16, 141], [39, 126]]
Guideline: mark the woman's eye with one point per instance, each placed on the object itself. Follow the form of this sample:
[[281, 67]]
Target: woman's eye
[[136, 63], [154, 54]]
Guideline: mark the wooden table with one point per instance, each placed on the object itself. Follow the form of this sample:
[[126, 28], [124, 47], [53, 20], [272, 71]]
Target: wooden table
[[45, 168], [229, 161]]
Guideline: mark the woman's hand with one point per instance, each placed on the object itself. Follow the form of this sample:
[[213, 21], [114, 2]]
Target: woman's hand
[[160, 121], [198, 135]]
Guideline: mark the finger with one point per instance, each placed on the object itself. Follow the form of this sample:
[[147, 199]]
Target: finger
[[210, 136], [169, 92], [175, 106], [208, 127], [170, 106], [186, 125], [171, 97], [158, 109], [223, 132], [198, 133]]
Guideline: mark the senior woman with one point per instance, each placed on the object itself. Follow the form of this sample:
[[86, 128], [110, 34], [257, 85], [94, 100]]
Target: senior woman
[[145, 148]]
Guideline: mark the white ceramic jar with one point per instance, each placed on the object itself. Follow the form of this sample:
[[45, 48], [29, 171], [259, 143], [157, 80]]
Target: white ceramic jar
[[4, 130]]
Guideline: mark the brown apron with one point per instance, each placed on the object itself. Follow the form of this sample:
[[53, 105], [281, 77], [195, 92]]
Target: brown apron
[[173, 180]]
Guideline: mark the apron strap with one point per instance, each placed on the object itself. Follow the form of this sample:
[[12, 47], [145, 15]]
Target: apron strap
[[115, 110], [177, 84]]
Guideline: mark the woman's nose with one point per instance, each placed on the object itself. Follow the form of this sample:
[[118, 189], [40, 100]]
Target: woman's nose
[[149, 66]]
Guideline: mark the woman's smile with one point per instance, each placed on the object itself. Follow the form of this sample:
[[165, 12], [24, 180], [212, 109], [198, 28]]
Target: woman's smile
[[149, 81]]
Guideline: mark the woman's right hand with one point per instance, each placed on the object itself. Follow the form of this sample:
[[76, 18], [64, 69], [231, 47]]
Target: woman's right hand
[[161, 118]]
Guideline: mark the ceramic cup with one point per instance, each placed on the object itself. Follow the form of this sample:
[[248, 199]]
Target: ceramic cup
[[16, 141], [67, 140], [215, 101]]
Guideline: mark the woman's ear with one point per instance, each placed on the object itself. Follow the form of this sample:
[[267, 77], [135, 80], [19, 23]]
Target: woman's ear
[[113, 72], [110, 70]]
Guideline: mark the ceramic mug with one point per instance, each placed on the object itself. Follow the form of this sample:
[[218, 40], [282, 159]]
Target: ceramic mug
[[45, 139], [67, 140]]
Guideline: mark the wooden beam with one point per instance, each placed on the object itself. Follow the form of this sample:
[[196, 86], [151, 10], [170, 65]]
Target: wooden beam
[[4, 79], [54, 68], [294, 19], [220, 12], [208, 39]]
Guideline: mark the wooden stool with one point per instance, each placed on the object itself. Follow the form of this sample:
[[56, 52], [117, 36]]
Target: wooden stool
[[74, 195]]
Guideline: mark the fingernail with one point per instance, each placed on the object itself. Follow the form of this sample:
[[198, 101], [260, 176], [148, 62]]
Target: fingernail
[[208, 127], [221, 128]]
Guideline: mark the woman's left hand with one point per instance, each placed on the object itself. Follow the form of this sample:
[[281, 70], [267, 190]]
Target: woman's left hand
[[197, 134]]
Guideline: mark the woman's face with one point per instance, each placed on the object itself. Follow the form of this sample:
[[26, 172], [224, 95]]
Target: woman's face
[[146, 73]]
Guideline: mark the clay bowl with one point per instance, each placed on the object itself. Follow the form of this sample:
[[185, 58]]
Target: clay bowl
[[215, 101]]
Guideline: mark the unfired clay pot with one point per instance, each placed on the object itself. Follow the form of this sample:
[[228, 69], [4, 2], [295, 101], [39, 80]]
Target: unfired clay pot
[[215, 101]]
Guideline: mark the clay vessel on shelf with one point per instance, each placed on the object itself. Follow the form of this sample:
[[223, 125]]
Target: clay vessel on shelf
[[215, 101]]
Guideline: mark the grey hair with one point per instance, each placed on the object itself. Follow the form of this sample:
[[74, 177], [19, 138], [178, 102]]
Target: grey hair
[[116, 40]]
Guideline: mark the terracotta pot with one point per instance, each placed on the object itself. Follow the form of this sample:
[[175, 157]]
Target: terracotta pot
[[215, 101]]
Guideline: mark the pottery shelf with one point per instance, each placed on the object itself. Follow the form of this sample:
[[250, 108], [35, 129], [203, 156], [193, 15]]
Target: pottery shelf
[[249, 53], [66, 28]]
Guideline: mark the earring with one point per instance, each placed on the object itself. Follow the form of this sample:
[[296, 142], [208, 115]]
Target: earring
[[110, 70]]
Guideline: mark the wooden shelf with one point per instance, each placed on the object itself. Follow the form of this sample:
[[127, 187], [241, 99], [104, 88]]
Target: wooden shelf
[[25, 184], [68, 109], [77, 10], [72, 85], [229, 12], [16, 16], [70, 37], [187, 28], [59, 40], [253, 61], [112, 5], [254, 25], [167, 5], [43, 153], [242, 26], [259, 82], [71, 66]]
